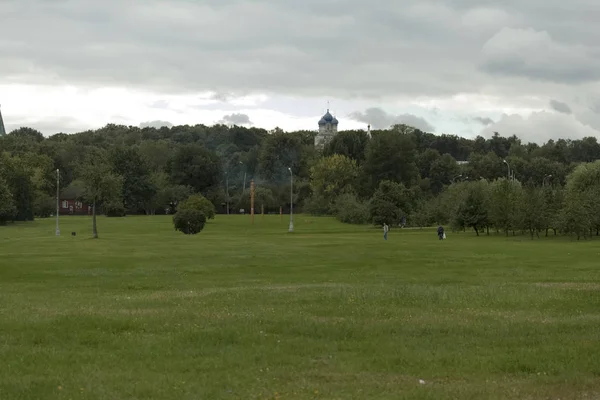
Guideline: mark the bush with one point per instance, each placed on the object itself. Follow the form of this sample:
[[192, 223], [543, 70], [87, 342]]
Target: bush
[[114, 209], [199, 203], [317, 205], [189, 221], [44, 206], [349, 210]]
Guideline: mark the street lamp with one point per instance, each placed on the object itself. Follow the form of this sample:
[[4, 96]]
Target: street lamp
[[508, 165], [547, 177], [57, 200], [291, 200], [227, 189]]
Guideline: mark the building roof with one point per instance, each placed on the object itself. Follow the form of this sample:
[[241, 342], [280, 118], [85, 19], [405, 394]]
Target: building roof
[[328, 119], [2, 129]]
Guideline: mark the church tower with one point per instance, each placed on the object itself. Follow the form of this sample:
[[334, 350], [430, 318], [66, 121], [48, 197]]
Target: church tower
[[2, 129], [328, 127]]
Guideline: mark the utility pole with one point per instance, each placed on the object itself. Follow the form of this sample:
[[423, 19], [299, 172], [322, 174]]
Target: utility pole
[[57, 200], [227, 189], [291, 229]]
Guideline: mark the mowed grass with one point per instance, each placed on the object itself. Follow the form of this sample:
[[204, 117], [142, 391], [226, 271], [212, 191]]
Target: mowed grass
[[331, 311]]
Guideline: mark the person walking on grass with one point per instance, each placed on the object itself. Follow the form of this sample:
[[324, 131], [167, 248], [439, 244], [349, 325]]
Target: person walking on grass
[[386, 228], [440, 232]]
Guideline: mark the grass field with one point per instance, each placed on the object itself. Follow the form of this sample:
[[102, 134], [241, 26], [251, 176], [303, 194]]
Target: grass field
[[329, 312]]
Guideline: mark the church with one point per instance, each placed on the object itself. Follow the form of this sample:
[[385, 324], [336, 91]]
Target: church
[[328, 127], [2, 130]]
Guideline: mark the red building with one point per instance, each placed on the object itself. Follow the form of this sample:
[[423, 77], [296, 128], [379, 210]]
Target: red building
[[71, 202], [74, 207]]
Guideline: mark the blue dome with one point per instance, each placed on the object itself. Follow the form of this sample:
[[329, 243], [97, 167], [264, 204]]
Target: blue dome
[[328, 119]]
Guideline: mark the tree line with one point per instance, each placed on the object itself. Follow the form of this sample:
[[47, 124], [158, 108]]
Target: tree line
[[395, 175]]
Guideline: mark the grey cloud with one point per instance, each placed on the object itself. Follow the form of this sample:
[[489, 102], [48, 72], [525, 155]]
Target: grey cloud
[[560, 106], [536, 55], [540, 127], [156, 124], [483, 120], [236, 119], [380, 119], [222, 97], [308, 48], [270, 46]]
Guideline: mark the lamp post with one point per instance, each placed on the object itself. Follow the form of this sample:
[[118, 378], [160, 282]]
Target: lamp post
[[57, 200], [508, 165], [291, 200], [227, 189]]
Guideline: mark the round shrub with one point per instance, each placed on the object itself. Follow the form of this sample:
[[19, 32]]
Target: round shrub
[[189, 221], [199, 203]]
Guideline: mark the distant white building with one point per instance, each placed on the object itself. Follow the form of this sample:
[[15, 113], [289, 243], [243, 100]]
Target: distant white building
[[328, 127]]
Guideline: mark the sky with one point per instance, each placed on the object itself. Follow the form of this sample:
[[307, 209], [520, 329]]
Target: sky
[[465, 67]]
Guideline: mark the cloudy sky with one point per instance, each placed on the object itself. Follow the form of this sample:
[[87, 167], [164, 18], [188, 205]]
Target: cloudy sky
[[468, 67]]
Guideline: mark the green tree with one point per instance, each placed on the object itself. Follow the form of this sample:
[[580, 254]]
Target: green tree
[[100, 183], [503, 204], [442, 171], [138, 187], [532, 212], [351, 144], [7, 204], [472, 211], [281, 151], [390, 202], [390, 155], [194, 166], [18, 176], [350, 210], [333, 175]]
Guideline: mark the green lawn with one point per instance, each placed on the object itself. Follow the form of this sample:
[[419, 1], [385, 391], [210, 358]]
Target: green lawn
[[331, 311]]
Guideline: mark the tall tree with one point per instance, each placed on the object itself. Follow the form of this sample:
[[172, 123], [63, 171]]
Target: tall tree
[[7, 204], [138, 187], [351, 144], [503, 204], [100, 183], [195, 166], [391, 156], [472, 211], [333, 175]]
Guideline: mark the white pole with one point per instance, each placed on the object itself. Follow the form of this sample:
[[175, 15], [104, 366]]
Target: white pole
[[57, 200], [291, 201], [227, 186], [508, 165]]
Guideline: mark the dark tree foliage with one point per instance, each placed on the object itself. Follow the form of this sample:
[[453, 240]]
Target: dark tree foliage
[[154, 170]]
